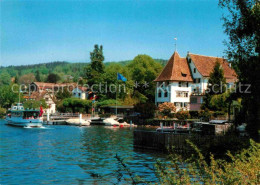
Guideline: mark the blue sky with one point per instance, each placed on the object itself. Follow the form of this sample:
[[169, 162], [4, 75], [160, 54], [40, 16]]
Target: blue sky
[[39, 31]]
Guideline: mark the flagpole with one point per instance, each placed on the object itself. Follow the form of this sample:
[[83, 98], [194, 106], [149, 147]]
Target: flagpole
[[116, 92]]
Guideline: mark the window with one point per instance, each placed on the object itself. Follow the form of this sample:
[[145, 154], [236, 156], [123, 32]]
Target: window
[[189, 60], [177, 104], [196, 80], [182, 94], [194, 70], [179, 84], [193, 100], [79, 94], [160, 94], [165, 93], [183, 74]]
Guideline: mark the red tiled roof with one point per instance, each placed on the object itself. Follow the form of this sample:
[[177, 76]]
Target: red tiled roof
[[205, 65], [43, 85], [177, 69]]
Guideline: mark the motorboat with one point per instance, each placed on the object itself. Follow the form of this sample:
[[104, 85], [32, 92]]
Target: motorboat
[[111, 122], [78, 122], [19, 116]]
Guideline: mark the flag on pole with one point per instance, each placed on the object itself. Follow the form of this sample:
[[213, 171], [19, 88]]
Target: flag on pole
[[41, 112], [121, 77]]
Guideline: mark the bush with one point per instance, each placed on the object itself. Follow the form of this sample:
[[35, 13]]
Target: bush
[[147, 110], [167, 108], [182, 115], [2, 112], [205, 115], [242, 168], [194, 114], [76, 105]]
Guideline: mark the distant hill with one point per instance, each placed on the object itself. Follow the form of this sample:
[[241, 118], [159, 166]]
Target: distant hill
[[62, 68]]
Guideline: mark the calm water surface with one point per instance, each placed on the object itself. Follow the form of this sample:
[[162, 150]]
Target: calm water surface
[[70, 155]]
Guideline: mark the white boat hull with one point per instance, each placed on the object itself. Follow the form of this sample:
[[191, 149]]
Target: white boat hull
[[24, 122]]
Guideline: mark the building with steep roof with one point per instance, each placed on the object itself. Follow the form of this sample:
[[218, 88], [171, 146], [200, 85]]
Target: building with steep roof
[[183, 81]]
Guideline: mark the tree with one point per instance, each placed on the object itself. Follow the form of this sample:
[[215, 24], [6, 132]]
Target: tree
[[146, 110], [35, 104], [167, 108], [96, 67], [7, 96], [217, 81], [242, 25], [62, 94], [76, 105], [143, 71], [38, 77], [53, 78], [216, 85], [5, 78], [27, 78], [97, 59]]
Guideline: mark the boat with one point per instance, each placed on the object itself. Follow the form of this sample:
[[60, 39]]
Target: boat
[[176, 128], [111, 122], [78, 122], [18, 116]]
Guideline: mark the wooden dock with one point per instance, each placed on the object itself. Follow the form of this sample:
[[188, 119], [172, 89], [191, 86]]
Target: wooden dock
[[176, 142]]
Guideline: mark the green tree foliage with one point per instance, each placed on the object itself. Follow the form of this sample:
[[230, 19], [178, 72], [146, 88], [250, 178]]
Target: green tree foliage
[[143, 71], [166, 108], [53, 78], [147, 110], [27, 78], [34, 104], [216, 86], [182, 115], [63, 93], [108, 102], [97, 59], [38, 76], [95, 69], [7, 96], [2, 112], [217, 81], [242, 168], [76, 105], [242, 25], [5, 78]]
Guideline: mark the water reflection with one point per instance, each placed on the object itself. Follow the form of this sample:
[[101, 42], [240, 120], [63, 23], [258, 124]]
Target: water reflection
[[71, 155]]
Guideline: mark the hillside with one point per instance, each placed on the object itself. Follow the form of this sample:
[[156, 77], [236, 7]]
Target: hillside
[[62, 68]]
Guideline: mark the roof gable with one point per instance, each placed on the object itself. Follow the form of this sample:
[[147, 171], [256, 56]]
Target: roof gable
[[205, 65], [177, 69]]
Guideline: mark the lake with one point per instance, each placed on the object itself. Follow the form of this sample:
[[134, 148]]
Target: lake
[[71, 155]]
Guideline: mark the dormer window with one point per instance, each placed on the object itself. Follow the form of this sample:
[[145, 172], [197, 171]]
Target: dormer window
[[194, 70], [183, 74]]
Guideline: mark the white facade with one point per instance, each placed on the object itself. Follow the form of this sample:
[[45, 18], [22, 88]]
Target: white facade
[[78, 93], [175, 92], [50, 104], [180, 92]]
